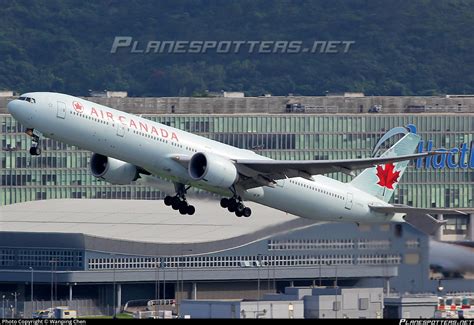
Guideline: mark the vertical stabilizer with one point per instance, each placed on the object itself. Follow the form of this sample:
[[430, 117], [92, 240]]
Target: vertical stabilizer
[[382, 180]]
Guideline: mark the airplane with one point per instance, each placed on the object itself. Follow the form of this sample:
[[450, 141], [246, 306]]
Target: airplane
[[453, 259], [126, 146]]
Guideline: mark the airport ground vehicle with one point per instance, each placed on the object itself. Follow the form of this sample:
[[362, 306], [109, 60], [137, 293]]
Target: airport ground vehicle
[[62, 312]]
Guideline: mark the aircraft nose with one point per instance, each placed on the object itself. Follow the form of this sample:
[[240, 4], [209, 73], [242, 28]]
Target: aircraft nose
[[12, 107], [21, 113]]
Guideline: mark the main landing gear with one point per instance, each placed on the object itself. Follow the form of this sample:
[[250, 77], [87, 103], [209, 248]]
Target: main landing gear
[[35, 150], [235, 205], [178, 202]]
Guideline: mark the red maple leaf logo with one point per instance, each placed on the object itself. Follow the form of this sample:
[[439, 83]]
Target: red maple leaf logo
[[387, 177], [78, 107]]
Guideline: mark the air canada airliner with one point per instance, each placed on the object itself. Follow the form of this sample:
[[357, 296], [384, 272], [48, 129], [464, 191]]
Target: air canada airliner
[[126, 146]]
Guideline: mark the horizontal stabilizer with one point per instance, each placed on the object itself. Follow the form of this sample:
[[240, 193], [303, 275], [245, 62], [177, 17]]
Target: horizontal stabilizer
[[399, 208], [424, 223], [420, 218]]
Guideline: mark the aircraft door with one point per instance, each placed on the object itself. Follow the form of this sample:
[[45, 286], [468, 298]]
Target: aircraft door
[[349, 201], [61, 110], [120, 129]]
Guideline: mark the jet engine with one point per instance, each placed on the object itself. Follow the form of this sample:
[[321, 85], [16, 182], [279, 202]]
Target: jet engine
[[113, 170], [215, 170]]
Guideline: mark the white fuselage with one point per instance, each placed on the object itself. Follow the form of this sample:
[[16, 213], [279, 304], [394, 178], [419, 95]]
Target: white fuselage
[[151, 145]]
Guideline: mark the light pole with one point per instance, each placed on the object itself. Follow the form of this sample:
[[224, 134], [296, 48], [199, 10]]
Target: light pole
[[158, 264], [52, 261], [440, 286], [259, 259], [176, 290], [15, 295], [181, 266], [320, 280], [157, 284], [336, 290], [268, 274], [3, 306], [274, 274], [115, 292], [32, 279], [163, 265]]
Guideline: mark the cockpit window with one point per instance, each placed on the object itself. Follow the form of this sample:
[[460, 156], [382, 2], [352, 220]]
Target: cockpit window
[[28, 99]]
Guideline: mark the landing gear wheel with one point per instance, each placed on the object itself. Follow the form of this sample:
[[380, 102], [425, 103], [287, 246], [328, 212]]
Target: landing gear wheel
[[35, 151], [232, 206], [183, 204], [240, 207], [183, 209], [168, 200], [247, 212], [176, 203], [190, 210], [225, 202], [235, 205]]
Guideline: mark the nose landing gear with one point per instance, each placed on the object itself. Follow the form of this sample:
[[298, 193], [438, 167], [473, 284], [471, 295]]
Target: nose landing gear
[[35, 150]]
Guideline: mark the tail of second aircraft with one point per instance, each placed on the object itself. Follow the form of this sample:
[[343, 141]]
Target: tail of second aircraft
[[381, 181]]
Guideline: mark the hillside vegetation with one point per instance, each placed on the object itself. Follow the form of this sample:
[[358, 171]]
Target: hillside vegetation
[[401, 47]]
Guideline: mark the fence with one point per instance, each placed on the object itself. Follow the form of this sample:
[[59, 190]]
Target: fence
[[84, 307]]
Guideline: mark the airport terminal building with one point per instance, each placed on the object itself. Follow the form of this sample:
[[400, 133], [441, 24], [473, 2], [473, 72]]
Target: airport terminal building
[[114, 251], [125, 244]]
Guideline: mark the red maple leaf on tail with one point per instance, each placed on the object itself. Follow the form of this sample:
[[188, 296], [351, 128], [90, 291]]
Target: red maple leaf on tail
[[387, 177]]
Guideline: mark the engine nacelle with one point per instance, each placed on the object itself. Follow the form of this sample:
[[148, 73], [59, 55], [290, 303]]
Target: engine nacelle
[[113, 170], [215, 170]]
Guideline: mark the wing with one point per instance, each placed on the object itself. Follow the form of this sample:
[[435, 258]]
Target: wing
[[266, 172], [271, 170]]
